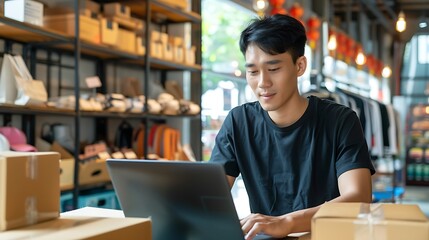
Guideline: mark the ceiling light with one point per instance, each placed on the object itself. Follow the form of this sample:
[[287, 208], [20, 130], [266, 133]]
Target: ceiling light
[[423, 24], [260, 6], [332, 42], [386, 72], [401, 24]]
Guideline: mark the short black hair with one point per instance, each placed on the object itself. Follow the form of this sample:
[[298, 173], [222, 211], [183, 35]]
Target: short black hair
[[275, 34]]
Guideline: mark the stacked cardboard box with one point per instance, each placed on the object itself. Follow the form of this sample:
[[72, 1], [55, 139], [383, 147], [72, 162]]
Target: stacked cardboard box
[[29, 188]]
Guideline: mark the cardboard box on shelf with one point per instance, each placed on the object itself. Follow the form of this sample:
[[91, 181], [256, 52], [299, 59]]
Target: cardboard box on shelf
[[178, 49], [93, 171], [167, 47], [24, 11], [126, 40], [339, 221], [29, 188], [117, 9], [82, 224], [89, 27], [190, 55], [156, 45], [140, 46], [66, 166], [109, 31]]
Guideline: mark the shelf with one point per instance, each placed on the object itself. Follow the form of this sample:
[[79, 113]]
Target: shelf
[[164, 11], [29, 33], [16, 109]]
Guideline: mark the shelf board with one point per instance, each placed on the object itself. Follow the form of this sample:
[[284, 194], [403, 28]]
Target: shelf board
[[162, 10], [25, 32], [27, 110]]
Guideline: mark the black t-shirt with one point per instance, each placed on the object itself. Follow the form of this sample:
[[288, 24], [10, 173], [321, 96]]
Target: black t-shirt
[[295, 167]]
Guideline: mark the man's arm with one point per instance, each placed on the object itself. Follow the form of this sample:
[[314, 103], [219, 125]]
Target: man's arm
[[354, 186]]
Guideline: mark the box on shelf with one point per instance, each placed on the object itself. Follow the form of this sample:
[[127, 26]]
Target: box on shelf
[[156, 45], [83, 225], [93, 171], [117, 9], [24, 11], [167, 47], [182, 4], [89, 27], [178, 49], [126, 40], [66, 166], [338, 221], [29, 188], [140, 46], [109, 31], [190, 55]]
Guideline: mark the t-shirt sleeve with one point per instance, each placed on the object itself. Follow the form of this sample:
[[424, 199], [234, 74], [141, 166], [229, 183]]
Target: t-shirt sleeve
[[352, 148], [223, 151]]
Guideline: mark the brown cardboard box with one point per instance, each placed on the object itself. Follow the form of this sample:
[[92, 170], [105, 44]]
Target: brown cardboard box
[[84, 226], [156, 46], [66, 166], [339, 221], [109, 31], [140, 46], [89, 27], [29, 188], [117, 9], [93, 171], [126, 40]]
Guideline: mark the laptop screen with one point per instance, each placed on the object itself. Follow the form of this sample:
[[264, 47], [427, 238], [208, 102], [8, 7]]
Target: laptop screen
[[185, 200]]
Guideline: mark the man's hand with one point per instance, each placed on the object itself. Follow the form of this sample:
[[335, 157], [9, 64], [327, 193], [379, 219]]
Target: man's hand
[[255, 224]]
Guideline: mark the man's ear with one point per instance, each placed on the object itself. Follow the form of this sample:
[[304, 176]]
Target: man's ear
[[301, 65]]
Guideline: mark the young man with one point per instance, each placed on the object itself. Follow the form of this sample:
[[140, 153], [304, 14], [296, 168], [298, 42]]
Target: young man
[[293, 153]]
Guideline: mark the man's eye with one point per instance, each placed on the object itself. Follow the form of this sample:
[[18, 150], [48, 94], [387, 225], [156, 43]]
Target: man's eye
[[252, 72], [273, 69]]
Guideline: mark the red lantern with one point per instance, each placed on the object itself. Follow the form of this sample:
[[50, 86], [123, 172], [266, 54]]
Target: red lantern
[[277, 7], [313, 34], [313, 22], [296, 11]]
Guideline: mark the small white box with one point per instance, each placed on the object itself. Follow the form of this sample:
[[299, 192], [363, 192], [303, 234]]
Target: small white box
[[24, 11]]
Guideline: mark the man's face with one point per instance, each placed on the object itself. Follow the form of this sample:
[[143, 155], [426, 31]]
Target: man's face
[[273, 78]]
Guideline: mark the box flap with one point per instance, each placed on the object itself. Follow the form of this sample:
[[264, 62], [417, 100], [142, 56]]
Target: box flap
[[403, 212], [343, 210], [56, 147], [408, 212]]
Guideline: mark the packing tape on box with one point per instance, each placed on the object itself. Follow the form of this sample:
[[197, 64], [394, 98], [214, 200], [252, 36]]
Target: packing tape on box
[[370, 224], [31, 167]]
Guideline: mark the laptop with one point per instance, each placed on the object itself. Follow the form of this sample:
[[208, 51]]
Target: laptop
[[185, 200]]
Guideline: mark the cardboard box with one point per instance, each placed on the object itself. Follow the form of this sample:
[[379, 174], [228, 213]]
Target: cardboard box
[[339, 221], [156, 46], [140, 46], [68, 5], [117, 9], [93, 171], [109, 31], [126, 40], [81, 225], [89, 27], [24, 11], [29, 188], [190, 55], [66, 166]]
